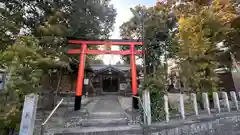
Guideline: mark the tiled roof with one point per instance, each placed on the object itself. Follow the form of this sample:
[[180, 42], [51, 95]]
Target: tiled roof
[[102, 66]]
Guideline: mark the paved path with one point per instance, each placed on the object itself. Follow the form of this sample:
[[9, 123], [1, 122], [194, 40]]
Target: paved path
[[106, 112], [108, 103]]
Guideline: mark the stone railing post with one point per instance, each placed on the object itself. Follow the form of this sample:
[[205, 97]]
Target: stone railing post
[[226, 102], [181, 105], [234, 99], [147, 106], [144, 108], [206, 102], [166, 108], [194, 101], [216, 101], [149, 118]]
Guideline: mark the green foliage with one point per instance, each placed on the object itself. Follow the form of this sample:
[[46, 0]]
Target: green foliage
[[156, 86], [158, 23], [10, 25], [53, 22], [201, 27], [158, 40], [45, 26], [23, 62]]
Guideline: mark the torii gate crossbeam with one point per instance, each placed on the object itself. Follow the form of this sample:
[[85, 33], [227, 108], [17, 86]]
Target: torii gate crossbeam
[[84, 50]]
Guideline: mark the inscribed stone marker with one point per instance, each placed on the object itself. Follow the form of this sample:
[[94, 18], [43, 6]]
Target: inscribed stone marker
[[28, 115]]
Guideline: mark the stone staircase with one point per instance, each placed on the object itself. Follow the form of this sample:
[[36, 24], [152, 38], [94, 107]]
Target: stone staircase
[[101, 124], [100, 121], [103, 115], [120, 130], [105, 120]]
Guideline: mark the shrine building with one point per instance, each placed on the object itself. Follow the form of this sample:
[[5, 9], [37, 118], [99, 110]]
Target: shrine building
[[109, 79], [99, 79]]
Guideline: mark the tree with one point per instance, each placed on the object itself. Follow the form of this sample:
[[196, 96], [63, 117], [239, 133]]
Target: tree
[[26, 64], [10, 25], [201, 27], [53, 21], [42, 46], [158, 29], [231, 42], [84, 25], [159, 24]]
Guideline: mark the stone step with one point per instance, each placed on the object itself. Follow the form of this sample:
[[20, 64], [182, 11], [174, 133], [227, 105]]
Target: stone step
[[117, 130], [102, 133], [103, 122], [107, 115]]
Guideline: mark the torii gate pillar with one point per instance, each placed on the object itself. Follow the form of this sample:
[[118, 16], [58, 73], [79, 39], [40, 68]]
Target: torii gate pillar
[[79, 86], [134, 77]]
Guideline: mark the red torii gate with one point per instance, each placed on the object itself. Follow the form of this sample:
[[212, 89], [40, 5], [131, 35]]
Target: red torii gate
[[84, 50]]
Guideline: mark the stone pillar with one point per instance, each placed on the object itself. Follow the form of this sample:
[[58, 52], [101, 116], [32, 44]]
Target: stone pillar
[[144, 107], [216, 101], [181, 106], [147, 106], [148, 109], [206, 102], [234, 99], [226, 102], [194, 101], [166, 108]]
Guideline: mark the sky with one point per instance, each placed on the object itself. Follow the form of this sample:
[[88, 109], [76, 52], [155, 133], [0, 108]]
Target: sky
[[123, 15]]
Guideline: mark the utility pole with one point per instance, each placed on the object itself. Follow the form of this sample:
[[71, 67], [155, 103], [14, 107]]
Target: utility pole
[[146, 93], [142, 25]]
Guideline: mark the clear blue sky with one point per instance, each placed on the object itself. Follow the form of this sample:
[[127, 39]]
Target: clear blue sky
[[123, 15]]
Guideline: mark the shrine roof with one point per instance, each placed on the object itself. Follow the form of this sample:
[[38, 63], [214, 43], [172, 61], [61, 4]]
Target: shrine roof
[[108, 68], [102, 66], [121, 67]]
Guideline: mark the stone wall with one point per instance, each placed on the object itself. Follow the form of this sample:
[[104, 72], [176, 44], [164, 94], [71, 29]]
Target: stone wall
[[222, 124], [225, 124]]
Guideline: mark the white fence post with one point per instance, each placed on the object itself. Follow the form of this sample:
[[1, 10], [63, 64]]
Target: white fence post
[[166, 108], [181, 104], [206, 102], [144, 106], [234, 99], [149, 118], [147, 105], [226, 102], [216, 101], [194, 101]]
